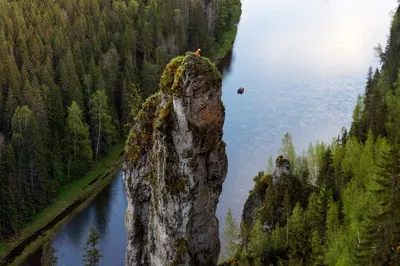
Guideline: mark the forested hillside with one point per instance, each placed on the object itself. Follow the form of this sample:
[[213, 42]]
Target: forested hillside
[[337, 203], [72, 74]]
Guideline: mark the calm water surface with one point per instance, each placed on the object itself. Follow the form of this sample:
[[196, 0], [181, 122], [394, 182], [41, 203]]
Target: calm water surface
[[106, 213], [302, 64]]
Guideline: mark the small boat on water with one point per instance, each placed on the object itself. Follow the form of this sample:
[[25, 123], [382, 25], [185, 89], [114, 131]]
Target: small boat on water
[[240, 90]]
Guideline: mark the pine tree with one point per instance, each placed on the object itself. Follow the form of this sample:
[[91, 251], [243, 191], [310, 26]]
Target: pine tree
[[231, 235], [313, 215], [258, 241], [358, 128], [79, 151], [317, 249], [270, 166], [286, 213], [48, 255], [110, 69], [149, 78], [103, 130], [298, 244], [326, 171], [287, 150], [15, 211], [5, 223], [28, 144], [385, 231], [92, 256]]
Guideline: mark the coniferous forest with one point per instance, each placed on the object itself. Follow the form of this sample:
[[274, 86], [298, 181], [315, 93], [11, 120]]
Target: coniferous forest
[[72, 75], [340, 202]]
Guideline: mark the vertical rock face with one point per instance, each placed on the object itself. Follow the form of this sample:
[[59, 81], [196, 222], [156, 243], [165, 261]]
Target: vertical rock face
[[269, 193], [175, 167], [282, 167]]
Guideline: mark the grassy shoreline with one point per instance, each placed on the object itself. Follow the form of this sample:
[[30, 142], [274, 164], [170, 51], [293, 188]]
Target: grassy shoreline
[[228, 37], [101, 175]]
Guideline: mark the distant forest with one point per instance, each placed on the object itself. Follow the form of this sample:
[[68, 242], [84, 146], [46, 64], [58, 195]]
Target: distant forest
[[72, 74], [340, 205]]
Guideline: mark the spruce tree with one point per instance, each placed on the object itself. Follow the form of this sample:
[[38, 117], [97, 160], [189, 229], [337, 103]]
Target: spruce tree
[[27, 141], [92, 254], [298, 244], [385, 229], [287, 150], [258, 241], [230, 235]]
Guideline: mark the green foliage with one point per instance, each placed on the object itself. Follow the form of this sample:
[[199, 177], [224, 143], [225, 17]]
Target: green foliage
[[82, 63], [140, 136], [135, 101], [169, 77], [270, 166], [79, 151], [28, 149], [230, 235], [182, 247], [48, 255], [258, 241], [287, 150], [384, 233], [358, 124], [229, 12], [176, 183], [92, 254], [103, 130], [297, 234]]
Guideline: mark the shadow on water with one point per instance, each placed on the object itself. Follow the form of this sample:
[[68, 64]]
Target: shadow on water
[[225, 64], [102, 207]]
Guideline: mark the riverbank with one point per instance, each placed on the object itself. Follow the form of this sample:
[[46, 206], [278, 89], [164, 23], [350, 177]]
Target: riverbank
[[228, 37], [70, 200]]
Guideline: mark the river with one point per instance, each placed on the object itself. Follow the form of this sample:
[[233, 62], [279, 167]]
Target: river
[[302, 64]]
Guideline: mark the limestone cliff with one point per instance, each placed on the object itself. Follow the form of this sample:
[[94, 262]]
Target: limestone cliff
[[175, 167], [259, 193], [282, 168]]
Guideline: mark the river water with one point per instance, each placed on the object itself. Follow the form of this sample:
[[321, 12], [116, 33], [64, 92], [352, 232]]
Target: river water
[[302, 64]]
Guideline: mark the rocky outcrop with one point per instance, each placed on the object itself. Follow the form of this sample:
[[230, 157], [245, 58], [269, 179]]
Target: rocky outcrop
[[253, 203], [282, 168], [175, 166], [265, 201]]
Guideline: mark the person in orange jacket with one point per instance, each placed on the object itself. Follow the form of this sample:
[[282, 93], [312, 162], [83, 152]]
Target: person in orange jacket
[[198, 52]]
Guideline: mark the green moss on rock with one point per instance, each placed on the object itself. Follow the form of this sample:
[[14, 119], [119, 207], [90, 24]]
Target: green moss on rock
[[153, 178], [163, 114], [168, 77], [141, 136], [187, 153], [176, 183], [182, 247], [171, 80]]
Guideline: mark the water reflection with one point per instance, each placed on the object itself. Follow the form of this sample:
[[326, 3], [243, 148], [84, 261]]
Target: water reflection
[[225, 65], [102, 207], [106, 214]]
